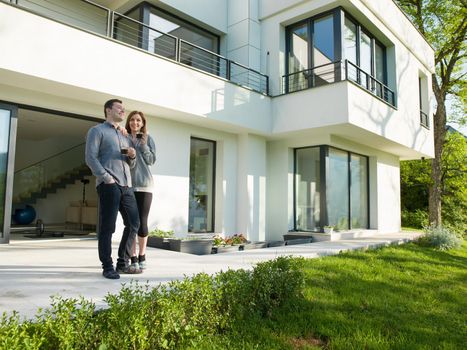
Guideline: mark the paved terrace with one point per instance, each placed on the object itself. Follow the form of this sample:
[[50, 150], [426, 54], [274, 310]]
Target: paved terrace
[[32, 271]]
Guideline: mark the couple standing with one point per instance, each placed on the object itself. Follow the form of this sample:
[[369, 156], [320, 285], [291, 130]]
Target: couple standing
[[120, 159]]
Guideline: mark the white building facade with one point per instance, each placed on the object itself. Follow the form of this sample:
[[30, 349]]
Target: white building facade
[[268, 116]]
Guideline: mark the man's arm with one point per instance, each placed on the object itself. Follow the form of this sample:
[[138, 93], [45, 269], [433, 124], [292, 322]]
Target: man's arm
[[93, 142]]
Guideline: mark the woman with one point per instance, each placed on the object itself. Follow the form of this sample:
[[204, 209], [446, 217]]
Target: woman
[[141, 178]]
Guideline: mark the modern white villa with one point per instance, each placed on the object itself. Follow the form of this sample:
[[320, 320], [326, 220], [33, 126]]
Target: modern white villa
[[268, 116]]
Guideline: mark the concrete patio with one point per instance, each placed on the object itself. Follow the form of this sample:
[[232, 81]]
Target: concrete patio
[[32, 271]]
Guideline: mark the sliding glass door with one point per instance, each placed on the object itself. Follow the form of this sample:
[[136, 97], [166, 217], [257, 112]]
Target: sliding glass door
[[8, 122], [331, 188]]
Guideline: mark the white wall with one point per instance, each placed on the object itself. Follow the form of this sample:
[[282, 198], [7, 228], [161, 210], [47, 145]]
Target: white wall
[[209, 12], [251, 203], [170, 206], [244, 33], [384, 205], [100, 70]]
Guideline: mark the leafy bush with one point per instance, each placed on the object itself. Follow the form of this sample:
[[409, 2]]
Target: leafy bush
[[161, 233], [440, 237], [175, 315], [415, 219]]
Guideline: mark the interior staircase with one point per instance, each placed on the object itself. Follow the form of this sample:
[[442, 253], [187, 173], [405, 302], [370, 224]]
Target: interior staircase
[[62, 181]]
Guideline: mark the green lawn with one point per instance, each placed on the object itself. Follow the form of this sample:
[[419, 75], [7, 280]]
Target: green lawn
[[399, 297]]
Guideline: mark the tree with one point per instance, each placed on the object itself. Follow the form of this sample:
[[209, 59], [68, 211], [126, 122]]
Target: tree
[[416, 181], [444, 24]]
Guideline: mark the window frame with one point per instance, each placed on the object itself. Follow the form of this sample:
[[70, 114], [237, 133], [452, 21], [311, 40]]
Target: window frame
[[324, 169], [339, 16], [145, 10], [214, 165]]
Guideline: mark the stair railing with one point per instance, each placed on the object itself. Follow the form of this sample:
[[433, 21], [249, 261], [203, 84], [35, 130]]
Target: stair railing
[[36, 177]]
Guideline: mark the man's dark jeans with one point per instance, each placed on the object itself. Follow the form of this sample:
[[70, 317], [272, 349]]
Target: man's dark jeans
[[114, 198]]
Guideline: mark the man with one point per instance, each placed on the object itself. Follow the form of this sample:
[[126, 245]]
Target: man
[[110, 158]]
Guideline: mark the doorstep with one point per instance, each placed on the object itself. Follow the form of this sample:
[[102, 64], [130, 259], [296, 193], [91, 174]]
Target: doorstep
[[334, 236]]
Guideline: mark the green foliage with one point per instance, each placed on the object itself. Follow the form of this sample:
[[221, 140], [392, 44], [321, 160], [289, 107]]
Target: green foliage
[[161, 233], [274, 281], [443, 24], [397, 297], [454, 195], [416, 178], [415, 219], [177, 315], [441, 238]]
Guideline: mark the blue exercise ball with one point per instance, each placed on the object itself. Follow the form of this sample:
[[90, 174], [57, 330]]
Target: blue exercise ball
[[24, 216]]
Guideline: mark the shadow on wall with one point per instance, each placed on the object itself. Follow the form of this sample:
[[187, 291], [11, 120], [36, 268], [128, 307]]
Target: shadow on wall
[[381, 122]]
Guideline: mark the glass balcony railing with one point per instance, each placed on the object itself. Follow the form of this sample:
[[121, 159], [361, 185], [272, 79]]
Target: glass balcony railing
[[334, 72], [92, 17], [37, 177]]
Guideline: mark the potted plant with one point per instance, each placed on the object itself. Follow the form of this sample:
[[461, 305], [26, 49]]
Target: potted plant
[[228, 244], [160, 239], [191, 245], [328, 229]]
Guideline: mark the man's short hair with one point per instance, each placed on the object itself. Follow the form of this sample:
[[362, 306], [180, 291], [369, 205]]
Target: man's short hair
[[109, 104]]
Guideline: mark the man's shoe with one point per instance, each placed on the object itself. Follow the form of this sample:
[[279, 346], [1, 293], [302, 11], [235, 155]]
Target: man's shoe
[[130, 270], [111, 274]]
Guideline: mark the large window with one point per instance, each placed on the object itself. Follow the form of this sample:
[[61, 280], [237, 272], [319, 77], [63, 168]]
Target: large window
[[160, 33], [314, 44], [331, 188], [311, 51], [202, 181]]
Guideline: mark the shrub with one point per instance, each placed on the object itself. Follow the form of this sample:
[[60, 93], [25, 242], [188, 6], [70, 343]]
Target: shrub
[[174, 315], [161, 233], [415, 219], [440, 237], [275, 281]]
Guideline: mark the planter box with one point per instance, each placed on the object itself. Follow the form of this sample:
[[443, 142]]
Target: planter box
[[225, 249], [297, 235], [191, 246], [254, 245], [158, 242], [276, 244], [298, 241]]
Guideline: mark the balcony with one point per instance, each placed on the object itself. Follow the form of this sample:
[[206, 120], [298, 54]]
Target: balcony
[[92, 17], [333, 73]]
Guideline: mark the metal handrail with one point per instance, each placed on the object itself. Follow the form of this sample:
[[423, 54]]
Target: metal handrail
[[385, 90], [370, 83]]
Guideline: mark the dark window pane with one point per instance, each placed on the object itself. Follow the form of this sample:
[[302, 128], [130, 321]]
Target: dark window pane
[[337, 185], [298, 52], [323, 41], [379, 63], [350, 41], [4, 140], [202, 180], [359, 191], [307, 189]]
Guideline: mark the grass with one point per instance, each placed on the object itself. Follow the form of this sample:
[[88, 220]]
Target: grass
[[398, 297]]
